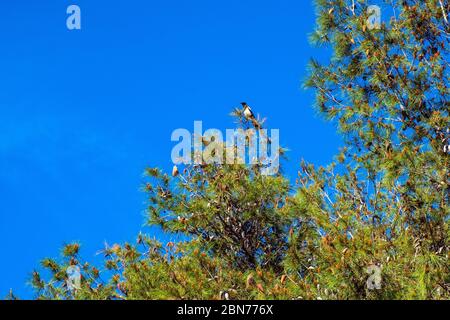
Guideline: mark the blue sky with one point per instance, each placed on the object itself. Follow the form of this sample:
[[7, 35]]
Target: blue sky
[[83, 113]]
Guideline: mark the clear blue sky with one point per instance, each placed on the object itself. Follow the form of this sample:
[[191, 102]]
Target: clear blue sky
[[82, 113]]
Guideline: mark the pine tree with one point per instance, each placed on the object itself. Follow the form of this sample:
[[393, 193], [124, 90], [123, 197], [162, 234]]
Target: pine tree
[[383, 204], [388, 90]]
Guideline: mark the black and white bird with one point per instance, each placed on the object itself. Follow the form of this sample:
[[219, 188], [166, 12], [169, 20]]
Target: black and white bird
[[248, 113], [250, 116]]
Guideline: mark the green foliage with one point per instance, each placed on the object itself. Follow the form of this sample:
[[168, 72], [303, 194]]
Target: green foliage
[[384, 201]]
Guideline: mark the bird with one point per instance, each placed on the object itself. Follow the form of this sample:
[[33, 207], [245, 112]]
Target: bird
[[175, 171], [224, 295], [248, 113]]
